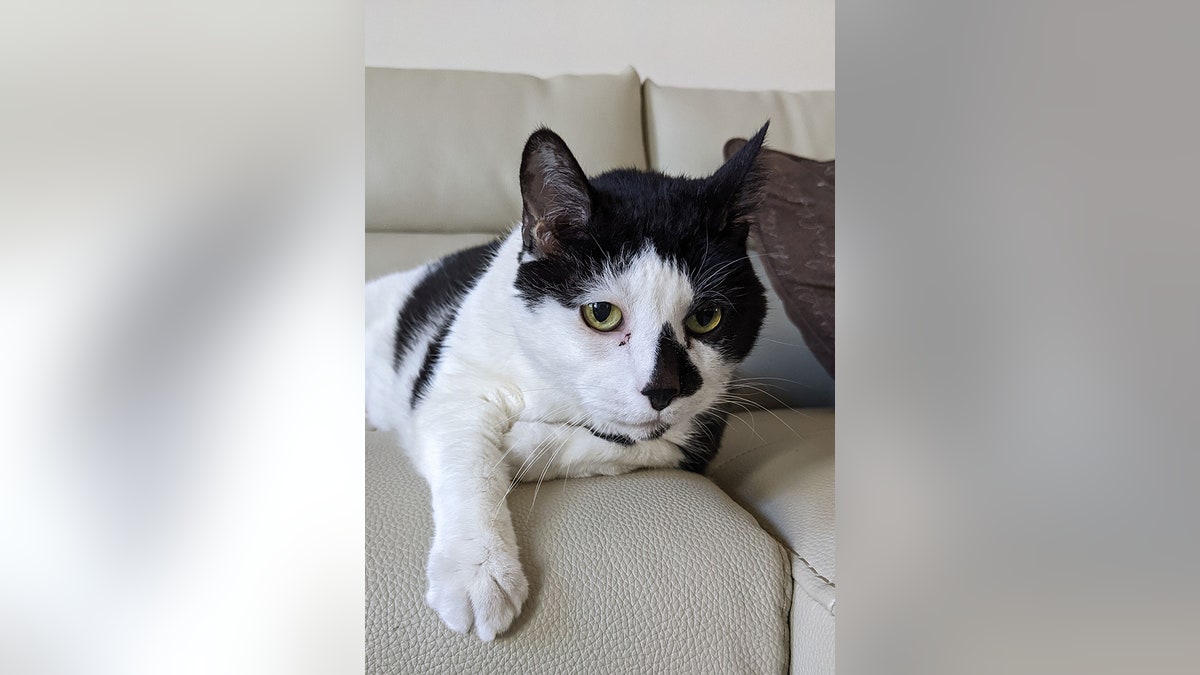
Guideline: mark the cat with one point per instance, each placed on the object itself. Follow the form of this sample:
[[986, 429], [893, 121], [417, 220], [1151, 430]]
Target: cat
[[597, 337]]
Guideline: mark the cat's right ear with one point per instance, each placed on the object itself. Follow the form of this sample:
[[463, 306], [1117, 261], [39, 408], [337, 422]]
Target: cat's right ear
[[555, 195]]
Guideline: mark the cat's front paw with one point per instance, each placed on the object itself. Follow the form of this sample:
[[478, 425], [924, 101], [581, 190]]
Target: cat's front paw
[[475, 584]]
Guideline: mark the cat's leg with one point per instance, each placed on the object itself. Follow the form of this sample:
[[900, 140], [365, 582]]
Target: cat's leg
[[474, 573]]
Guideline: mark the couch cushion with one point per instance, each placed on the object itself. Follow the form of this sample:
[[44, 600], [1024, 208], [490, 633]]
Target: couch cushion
[[686, 129], [650, 572], [443, 147], [389, 252]]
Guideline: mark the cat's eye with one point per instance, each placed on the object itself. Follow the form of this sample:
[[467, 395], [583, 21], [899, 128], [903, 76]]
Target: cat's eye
[[603, 316], [703, 320]]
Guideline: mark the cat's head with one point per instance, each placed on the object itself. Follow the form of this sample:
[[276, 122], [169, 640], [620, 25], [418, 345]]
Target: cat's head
[[637, 286]]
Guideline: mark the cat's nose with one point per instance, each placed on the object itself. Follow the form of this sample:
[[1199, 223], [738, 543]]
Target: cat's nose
[[660, 398]]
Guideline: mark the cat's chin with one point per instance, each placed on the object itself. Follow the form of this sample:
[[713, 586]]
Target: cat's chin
[[624, 433], [647, 431]]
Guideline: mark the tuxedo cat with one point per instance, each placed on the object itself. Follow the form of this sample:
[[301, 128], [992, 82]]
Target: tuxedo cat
[[598, 337]]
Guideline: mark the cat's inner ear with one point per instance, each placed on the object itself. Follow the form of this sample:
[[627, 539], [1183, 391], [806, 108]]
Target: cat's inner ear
[[555, 196], [738, 186]]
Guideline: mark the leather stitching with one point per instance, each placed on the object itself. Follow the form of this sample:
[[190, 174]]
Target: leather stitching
[[811, 568]]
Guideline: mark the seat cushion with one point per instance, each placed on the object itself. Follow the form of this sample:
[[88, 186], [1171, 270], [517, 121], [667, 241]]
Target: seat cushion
[[443, 147], [649, 572]]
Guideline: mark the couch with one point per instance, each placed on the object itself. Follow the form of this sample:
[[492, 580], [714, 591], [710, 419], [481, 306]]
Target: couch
[[650, 572]]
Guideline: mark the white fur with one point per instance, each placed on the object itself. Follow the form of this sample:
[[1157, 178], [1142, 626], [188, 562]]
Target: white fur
[[512, 388]]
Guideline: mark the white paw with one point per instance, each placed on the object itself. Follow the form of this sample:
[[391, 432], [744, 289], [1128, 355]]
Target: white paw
[[473, 584]]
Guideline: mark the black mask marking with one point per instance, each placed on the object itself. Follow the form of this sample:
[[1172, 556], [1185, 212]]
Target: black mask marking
[[674, 373]]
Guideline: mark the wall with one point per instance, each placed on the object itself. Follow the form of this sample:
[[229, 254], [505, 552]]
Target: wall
[[758, 44]]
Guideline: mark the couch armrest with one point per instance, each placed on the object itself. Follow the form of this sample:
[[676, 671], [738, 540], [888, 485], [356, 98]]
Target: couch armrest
[[655, 571], [779, 465]]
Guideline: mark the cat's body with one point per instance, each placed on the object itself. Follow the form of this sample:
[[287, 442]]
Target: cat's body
[[481, 351], [598, 337]]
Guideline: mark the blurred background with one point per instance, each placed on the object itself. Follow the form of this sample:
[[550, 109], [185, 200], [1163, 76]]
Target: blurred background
[[181, 204], [755, 45]]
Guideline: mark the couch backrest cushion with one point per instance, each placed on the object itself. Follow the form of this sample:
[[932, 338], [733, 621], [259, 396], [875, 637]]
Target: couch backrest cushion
[[686, 129], [443, 147]]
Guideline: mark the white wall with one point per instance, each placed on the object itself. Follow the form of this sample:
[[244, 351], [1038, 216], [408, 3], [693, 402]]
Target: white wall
[[756, 44]]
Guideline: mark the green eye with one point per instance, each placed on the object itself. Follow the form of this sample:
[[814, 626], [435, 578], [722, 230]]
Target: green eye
[[704, 320], [602, 316]]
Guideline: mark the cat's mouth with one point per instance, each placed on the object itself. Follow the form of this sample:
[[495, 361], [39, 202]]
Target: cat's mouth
[[648, 431], [628, 434]]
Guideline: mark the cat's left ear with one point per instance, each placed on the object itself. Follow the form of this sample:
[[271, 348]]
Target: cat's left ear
[[738, 185]]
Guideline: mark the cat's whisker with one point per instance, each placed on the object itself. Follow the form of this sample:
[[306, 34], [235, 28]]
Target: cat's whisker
[[712, 277], [757, 378], [567, 430], [506, 453], [749, 425], [772, 413], [550, 461], [540, 449], [516, 479], [743, 387], [712, 274], [781, 342], [783, 404], [526, 465]]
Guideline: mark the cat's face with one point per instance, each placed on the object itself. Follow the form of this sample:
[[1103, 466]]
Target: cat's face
[[637, 286]]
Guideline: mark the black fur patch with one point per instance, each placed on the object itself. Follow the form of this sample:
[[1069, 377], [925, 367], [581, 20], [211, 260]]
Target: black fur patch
[[432, 354], [435, 301], [439, 294], [673, 368], [705, 440]]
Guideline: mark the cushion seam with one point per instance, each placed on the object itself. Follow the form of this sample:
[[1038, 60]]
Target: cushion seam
[[813, 598], [810, 567], [791, 606]]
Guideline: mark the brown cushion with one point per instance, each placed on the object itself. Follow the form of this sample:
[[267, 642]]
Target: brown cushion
[[795, 232]]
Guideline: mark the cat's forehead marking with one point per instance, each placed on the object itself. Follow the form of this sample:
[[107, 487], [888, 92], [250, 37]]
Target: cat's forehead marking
[[653, 291]]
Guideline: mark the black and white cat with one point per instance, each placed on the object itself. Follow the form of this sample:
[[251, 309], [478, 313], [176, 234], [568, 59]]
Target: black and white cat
[[598, 337]]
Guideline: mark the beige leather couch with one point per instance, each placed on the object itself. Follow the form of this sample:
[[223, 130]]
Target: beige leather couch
[[651, 572]]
